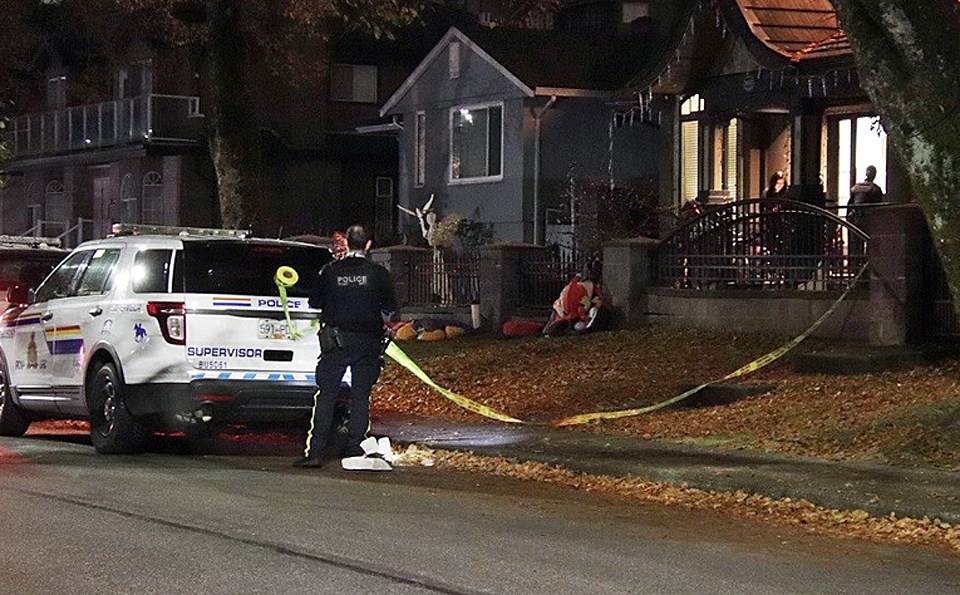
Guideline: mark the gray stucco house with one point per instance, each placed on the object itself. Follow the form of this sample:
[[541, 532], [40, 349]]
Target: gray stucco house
[[497, 123]]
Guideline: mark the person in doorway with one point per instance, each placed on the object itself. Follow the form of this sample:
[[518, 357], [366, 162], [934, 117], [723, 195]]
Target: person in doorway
[[777, 186], [866, 192], [355, 297], [772, 223], [862, 193]]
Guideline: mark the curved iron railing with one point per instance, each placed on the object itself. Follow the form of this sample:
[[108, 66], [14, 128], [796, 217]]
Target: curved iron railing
[[764, 244]]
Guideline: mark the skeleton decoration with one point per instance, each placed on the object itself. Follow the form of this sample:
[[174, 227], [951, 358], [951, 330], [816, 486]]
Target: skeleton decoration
[[440, 284], [427, 217]]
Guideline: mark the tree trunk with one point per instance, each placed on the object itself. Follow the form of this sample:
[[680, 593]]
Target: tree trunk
[[908, 56], [232, 127]]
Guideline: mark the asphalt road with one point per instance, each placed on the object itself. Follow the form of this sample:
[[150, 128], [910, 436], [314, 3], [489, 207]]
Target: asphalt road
[[243, 521]]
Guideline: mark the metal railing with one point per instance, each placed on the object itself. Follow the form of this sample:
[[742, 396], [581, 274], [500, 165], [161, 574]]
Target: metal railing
[[70, 236], [119, 122], [763, 244], [542, 277], [445, 280]]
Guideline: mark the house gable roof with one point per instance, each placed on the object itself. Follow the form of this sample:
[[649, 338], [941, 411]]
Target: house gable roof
[[452, 34], [546, 62]]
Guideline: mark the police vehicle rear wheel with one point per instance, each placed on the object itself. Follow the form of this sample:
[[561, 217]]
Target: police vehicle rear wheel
[[12, 420], [112, 429]]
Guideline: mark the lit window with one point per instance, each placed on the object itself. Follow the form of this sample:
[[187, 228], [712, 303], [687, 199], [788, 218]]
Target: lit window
[[689, 160], [731, 161], [476, 143], [692, 105]]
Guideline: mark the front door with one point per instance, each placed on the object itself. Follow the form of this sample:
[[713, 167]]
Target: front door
[[104, 206]]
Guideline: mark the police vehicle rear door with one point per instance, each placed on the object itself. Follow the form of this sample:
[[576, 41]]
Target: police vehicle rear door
[[235, 327]]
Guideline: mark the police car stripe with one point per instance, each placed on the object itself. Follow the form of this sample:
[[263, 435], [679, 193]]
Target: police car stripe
[[270, 376]]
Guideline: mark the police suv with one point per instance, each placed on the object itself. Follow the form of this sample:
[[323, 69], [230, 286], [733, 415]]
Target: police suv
[[162, 328]]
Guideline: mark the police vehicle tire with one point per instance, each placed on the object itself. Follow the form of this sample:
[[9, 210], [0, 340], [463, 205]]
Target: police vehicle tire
[[112, 429], [13, 422]]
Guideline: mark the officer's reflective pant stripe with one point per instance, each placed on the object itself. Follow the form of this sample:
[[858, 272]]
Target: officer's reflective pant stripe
[[313, 415]]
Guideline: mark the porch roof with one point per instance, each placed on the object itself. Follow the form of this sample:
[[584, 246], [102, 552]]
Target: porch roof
[[802, 34], [797, 29]]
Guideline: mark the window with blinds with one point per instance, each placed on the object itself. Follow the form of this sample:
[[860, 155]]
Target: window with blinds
[[731, 164], [689, 159]]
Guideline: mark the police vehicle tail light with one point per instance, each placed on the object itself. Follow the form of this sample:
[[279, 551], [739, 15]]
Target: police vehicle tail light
[[172, 319]]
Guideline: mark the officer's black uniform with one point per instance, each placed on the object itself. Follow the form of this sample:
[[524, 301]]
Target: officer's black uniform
[[352, 293]]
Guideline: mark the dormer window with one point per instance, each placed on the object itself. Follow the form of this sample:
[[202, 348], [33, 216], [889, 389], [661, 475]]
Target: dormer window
[[632, 11], [56, 92], [353, 83], [453, 58]]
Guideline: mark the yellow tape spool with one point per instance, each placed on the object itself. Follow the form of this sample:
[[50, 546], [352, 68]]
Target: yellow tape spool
[[286, 276]]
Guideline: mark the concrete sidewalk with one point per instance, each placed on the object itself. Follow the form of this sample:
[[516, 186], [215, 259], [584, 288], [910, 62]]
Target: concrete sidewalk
[[877, 489]]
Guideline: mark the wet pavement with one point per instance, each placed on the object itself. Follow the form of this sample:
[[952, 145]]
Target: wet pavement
[[879, 490]]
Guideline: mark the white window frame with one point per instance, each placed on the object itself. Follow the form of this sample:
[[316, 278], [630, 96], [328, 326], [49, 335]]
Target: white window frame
[[420, 149], [152, 203], [479, 179]]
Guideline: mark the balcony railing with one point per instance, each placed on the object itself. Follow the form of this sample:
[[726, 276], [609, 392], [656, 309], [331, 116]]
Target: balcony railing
[[136, 120]]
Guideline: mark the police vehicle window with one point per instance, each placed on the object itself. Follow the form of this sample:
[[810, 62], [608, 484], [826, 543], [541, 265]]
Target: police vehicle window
[[151, 271], [98, 276], [235, 268], [62, 281]]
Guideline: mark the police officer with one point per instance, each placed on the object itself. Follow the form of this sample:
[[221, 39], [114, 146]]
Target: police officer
[[355, 296]]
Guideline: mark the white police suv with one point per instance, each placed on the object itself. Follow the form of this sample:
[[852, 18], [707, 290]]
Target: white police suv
[[144, 331]]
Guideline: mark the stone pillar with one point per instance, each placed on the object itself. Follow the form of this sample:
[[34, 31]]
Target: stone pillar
[[898, 245], [629, 267], [399, 261], [500, 280]]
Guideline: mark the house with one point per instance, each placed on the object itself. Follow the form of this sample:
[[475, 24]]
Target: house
[[746, 89], [135, 148], [752, 88], [499, 123], [129, 155]]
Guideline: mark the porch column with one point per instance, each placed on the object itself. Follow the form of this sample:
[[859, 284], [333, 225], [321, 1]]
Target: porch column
[[806, 126], [898, 246]]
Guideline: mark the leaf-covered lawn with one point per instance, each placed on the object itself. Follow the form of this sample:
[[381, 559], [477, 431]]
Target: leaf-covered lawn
[[908, 416]]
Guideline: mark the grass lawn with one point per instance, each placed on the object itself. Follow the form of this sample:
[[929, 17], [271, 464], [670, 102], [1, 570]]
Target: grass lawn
[[902, 417]]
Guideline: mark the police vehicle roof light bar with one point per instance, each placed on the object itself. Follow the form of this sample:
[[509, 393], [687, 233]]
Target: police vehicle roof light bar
[[133, 229]]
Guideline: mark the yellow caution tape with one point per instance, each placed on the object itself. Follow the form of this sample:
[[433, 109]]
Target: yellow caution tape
[[286, 277], [753, 366], [404, 360]]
